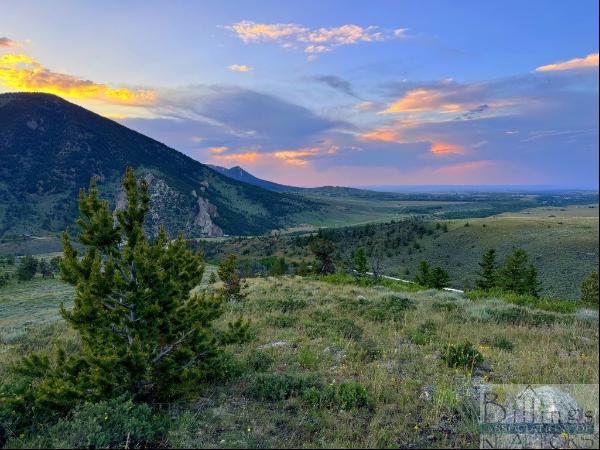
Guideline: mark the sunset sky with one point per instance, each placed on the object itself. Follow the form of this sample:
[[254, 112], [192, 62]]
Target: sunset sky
[[331, 92]]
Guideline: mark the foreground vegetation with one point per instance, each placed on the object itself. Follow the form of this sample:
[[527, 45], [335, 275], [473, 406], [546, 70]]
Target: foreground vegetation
[[332, 363]]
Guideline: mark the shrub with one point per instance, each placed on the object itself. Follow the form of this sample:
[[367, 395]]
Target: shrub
[[345, 395], [291, 304], [463, 356], [116, 423], [307, 358], [589, 290], [259, 361], [280, 386], [424, 334], [502, 343], [27, 268], [391, 308], [346, 328]]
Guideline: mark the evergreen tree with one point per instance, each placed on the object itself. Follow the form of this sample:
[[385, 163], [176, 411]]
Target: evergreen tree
[[302, 269], [438, 278], [589, 289], [44, 268], [532, 284], [323, 250], [212, 278], [280, 267], [233, 286], [360, 263], [487, 273], [423, 275], [516, 275], [27, 268], [55, 264], [141, 331]]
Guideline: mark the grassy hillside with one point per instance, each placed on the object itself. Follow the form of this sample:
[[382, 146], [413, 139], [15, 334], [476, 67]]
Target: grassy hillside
[[562, 243], [336, 365]]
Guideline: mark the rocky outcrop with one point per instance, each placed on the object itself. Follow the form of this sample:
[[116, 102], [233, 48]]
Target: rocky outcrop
[[203, 220], [178, 213]]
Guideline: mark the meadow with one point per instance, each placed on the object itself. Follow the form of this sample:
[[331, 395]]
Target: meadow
[[330, 364]]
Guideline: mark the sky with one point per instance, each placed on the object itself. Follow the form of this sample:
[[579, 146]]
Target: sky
[[313, 93]]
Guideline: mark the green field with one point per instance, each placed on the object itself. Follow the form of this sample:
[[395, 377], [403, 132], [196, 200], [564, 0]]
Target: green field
[[368, 358], [561, 242]]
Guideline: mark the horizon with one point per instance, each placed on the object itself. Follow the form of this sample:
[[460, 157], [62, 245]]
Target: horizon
[[343, 94]]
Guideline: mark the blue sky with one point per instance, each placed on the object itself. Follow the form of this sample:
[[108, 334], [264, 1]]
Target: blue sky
[[336, 92]]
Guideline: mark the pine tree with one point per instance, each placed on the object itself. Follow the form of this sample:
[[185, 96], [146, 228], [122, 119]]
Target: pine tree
[[423, 274], [589, 289], [360, 263], [27, 268], [142, 333], [515, 275], [233, 286], [487, 274], [532, 284], [438, 278], [323, 250]]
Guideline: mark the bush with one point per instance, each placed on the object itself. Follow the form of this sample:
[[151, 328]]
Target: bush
[[280, 386], [116, 423], [462, 356], [589, 290], [307, 358], [27, 268], [391, 308], [259, 361], [424, 334], [502, 343], [345, 395]]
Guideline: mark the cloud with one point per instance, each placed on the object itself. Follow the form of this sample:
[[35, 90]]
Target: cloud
[[23, 73], [589, 61], [439, 148], [237, 158], [363, 106], [381, 134], [239, 68], [448, 98], [8, 43], [218, 150], [312, 41], [337, 84]]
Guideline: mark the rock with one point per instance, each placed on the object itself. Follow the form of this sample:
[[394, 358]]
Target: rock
[[274, 344], [203, 219]]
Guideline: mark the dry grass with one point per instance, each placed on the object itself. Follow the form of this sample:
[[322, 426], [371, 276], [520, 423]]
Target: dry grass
[[339, 333]]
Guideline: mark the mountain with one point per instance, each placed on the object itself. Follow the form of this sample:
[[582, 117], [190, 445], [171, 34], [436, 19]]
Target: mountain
[[239, 174], [50, 148]]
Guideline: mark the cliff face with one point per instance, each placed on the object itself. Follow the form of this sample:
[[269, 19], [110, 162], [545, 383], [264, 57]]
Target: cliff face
[[50, 148]]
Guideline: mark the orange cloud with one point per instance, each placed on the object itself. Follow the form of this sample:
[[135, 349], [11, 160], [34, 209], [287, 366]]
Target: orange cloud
[[240, 68], [239, 158], [22, 73], [589, 61], [438, 148], [293, 157], [423, 100], [381, 134], [218, 150]]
